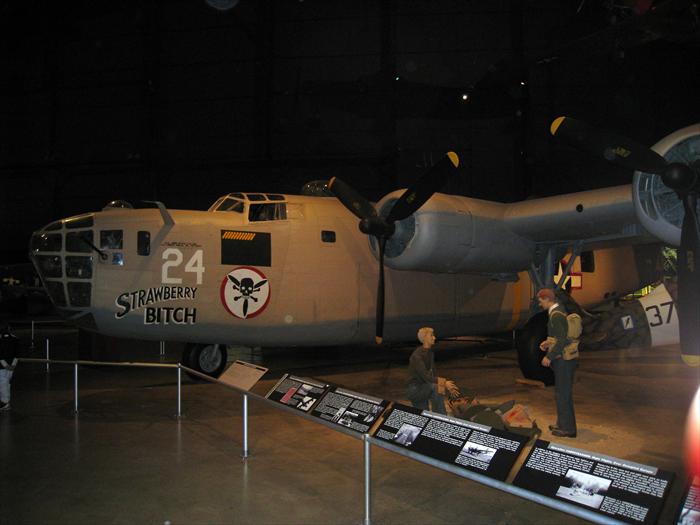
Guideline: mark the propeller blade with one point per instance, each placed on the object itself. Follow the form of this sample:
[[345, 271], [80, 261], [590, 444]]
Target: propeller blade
[[424, 188], [352, 200], [380, 293], [689, 283], [614, 148]]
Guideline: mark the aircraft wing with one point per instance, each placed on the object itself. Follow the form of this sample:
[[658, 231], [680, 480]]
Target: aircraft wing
[[593, 219]]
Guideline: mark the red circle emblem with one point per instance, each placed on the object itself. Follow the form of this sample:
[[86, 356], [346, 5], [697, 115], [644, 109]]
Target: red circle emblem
[[245, 292]]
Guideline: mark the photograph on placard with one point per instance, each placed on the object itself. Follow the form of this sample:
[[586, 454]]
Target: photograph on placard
[[347, 419], [689, 517], [372, 413], [478, 451], [338, 415], [306, 402], [583, 488], [406, 435], [287, 397]]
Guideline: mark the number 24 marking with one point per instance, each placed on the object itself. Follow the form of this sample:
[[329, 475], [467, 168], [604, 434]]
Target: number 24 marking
[[173, 258], [657, 313]]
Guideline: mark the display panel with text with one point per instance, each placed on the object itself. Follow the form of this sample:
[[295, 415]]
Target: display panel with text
[[301, 393], [476, 447], [625, 490], [350, 409]]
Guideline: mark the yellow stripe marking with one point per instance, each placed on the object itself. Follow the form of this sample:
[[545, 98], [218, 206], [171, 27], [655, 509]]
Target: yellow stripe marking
[[454, 159], [238, 236], [517, 298]]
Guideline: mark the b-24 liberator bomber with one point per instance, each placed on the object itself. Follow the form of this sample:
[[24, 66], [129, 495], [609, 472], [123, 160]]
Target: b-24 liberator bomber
[[266, 269]]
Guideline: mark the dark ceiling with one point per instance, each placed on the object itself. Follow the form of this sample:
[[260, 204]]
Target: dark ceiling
[[181, 102]]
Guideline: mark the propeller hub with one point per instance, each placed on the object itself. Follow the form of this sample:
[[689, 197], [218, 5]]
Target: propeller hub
[[377, 226], [680, 177]]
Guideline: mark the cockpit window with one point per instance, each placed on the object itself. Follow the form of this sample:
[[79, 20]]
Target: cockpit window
[[229, 204], [268, 212], [275, 197], [256, 197], [111, 239]]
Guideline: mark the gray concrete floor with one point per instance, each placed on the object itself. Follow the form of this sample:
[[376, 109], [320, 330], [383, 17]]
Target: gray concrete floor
[[125, 458]]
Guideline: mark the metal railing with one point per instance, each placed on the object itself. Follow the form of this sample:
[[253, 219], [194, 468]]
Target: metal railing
[[367, 440], [45, 321], [124, 364]]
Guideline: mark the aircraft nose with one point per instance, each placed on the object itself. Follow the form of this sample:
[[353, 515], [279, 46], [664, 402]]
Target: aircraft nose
[[62, 253]]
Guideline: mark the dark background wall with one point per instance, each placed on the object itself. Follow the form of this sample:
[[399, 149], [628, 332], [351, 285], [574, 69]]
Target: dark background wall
[[180, 102]]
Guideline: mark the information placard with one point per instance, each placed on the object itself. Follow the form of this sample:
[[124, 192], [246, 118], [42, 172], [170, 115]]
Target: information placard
[[301, 393], [476, 447], [350, 409], [627, 491], [242, 375], [689, 513]]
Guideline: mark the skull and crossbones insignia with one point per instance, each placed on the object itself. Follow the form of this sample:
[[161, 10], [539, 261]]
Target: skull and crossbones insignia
[[245, 292]]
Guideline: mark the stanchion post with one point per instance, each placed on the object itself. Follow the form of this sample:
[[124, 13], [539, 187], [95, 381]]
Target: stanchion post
[[179, 390], [47, 354], [32, 342], [368, 479], [244, 455], [75, 388], [162, 348]]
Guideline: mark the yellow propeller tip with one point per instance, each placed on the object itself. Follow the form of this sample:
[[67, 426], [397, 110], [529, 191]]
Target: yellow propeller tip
[[330, 182], [691, 360], [378, 340], [555, 125], [454, 159]]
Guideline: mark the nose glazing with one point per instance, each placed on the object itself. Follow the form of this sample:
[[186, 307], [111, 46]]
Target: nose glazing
[[62, 255]]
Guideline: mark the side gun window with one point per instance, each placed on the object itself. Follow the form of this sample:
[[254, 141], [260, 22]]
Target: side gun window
[[144, 243]]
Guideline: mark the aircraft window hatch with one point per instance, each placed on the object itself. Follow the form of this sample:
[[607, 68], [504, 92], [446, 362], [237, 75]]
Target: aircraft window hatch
[[229, 204], [143, 245], [79, 294], [255, 197], [79, 267], [56, 292], [267, 212], [275, 197], [111, 239], [79, 242], [588, 262], [46, 242], [327, 236]]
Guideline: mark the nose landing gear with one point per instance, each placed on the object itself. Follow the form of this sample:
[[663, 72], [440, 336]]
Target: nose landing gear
[[209, 359]]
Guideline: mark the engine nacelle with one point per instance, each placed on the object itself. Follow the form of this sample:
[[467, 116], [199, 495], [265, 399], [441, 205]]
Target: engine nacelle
[[658, 208], [453, 234]]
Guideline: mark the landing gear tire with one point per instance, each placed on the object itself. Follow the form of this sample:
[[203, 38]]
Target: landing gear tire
[[206, 359], [527, 343]]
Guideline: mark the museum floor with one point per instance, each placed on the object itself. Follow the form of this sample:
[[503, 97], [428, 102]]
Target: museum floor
[[126, 459]]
